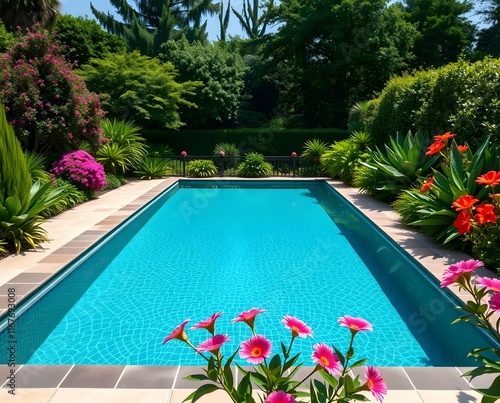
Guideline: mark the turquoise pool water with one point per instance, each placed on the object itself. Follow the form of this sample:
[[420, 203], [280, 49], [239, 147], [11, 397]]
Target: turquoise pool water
[[208, 247]]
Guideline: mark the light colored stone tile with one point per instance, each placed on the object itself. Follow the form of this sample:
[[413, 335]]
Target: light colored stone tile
[[178, 396], [27, 395], [78, 395], [449, 396]]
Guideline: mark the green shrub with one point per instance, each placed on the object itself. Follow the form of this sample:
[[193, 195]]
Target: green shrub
[[229, 149], [201, 168], [398, 166], [341, 159], [255, 166], [125, 149], [461, 97], [159, 150], [357, 114], [113, 182], [70, 197], [36, 166], [153, 168], [14, 176]]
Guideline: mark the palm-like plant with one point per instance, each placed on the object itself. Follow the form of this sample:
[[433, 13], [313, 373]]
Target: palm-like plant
[[126, 147], [153, 168], [26, 13], [313, 150], [36, 166], [254, 25]]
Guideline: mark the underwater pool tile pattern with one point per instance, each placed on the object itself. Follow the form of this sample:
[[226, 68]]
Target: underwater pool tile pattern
[[401, 387]]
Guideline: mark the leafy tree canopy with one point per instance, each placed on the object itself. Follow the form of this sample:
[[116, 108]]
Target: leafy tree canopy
[[444, 32], [488, 41], [139, 88], [26, 13], [85, 39], [153, 22], [221, 72], [337, 52]]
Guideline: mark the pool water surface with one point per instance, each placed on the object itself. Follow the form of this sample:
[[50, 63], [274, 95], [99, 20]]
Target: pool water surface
[[203, 248]]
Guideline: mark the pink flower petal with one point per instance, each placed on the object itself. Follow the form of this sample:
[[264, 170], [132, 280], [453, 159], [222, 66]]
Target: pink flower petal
[[355, 324], [326, 358], [375, 383], [213, 344], [256, 349], [297, 326], [178, 333]]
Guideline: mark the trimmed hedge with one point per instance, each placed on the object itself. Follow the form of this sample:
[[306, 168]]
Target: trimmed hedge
[[265, 141], [461, 97]]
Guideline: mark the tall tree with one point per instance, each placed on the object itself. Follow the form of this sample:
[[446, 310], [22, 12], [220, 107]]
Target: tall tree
[[26, 13], [335, 53], [444, 32], [153, 22], [488, 39], [254, 25], [224, 20]]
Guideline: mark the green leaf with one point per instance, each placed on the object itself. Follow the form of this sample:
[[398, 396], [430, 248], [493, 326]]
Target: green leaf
[[203, 390]]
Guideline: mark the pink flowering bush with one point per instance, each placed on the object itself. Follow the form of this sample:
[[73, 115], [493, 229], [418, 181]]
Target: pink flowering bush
[[48, 105], [485, 292], [274, 376], [80, 168]]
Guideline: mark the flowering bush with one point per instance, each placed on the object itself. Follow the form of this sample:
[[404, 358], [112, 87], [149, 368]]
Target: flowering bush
[[480, 314], [48, 105], [82, 169], [479, 223], [274, 377]]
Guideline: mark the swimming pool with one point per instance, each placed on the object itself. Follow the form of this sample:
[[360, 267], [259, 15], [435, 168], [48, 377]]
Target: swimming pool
[[204, 228]]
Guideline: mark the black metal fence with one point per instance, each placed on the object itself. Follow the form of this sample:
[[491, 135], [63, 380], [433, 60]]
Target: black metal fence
[[291, 166]]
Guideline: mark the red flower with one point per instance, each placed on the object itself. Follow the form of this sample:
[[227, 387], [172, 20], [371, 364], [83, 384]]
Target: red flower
[[444, 137], [491, 178], [462, 148], [462, 222], [485, 213], [464, 203], [435, 147], [427, 184]]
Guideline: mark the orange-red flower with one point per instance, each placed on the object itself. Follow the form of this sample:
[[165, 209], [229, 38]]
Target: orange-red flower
[[462, 148], [435, 147], [445, 137], [462, 222], [464, 202], [427, 184], [485, 213], [495, 197], [491, 178]]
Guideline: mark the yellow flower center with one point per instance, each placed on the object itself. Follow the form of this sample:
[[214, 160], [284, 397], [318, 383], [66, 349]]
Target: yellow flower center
[[370, 383], [295, 329], [324, 361], [354, 327], [256, 352]]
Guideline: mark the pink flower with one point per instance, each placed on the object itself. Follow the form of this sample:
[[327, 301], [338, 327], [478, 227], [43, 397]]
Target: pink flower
[[495, 302], [493, 284], [212, 344], [294, 154], [248, 316], [355, 324], [256, 349], [375, 383], [184, 153], [456, 271], [280, 396], [326, 358], [222, 153], [178, 333], [298, 327], [208, 324]]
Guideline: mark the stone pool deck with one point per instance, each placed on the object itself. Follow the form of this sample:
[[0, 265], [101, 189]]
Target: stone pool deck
[[72, 232]]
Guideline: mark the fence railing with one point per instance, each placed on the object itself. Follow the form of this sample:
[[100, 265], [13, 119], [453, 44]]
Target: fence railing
[[282, 165]]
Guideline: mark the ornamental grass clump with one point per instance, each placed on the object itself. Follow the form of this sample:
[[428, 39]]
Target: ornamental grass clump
[[80, 168], [274, 375]]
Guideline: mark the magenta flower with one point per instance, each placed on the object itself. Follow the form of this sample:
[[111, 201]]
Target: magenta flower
[[456, 271], [184, 153], [222, 153], [298, 327], [212, 344], [492, 284], [256, 349], [208, 324], [375, 383], [355, 324], [324, 357], [294, 154], [495, 302], [280, 396], [178, 333], [248, 316]]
